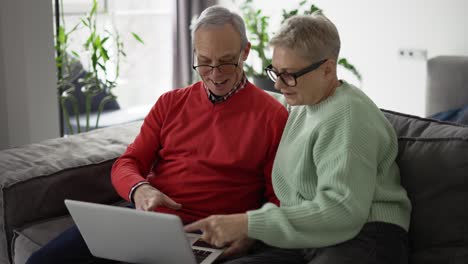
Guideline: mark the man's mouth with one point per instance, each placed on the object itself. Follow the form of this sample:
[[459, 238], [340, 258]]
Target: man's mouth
[[217, 83]]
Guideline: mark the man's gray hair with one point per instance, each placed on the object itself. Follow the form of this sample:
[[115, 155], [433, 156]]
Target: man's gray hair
[[219, 16], [314, 37]]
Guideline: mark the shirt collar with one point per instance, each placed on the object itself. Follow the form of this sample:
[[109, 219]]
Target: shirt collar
[[215, 99]]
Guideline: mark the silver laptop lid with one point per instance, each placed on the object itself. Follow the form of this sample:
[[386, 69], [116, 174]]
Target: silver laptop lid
[[130, 235]]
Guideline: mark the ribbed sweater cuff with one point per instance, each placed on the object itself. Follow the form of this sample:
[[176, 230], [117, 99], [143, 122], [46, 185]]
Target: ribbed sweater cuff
[[257, 227]]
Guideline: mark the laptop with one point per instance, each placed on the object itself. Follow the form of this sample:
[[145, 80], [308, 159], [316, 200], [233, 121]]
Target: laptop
[[135, 236]]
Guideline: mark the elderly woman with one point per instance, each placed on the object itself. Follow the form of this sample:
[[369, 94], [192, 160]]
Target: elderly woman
[[335, 172]]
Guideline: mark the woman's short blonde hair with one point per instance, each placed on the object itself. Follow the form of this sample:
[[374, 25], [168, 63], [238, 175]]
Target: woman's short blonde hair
[[313, 36]]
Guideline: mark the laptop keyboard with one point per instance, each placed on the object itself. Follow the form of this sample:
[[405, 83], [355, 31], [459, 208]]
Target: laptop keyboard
[[200, 255], [201, 243]]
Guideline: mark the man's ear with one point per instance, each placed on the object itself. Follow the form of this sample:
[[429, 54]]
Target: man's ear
[[246, 51]]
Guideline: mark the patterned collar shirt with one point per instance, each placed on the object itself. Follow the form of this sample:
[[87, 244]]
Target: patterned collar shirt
[[217, 99]]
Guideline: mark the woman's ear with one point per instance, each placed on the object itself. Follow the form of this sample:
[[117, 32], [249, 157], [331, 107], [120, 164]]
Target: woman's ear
[[330, 69]]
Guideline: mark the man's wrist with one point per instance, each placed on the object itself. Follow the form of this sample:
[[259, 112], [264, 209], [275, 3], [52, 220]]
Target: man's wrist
[[132, 191]]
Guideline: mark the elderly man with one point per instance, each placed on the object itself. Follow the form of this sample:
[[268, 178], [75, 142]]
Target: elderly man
[[204, 149]]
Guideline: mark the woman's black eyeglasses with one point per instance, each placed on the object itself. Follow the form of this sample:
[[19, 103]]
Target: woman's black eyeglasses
[[290, 79]]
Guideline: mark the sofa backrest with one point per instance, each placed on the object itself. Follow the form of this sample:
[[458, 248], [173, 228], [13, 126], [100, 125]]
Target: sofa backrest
[[75, 167], [433, 161]]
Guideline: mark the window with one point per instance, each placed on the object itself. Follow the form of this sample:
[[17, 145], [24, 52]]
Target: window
[[146, 72]]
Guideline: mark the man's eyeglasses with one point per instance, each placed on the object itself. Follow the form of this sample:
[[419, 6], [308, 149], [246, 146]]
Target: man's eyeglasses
[[226, 68], [290, 79]]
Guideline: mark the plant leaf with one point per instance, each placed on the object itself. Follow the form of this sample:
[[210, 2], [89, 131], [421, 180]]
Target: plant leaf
[[75, 53], [345, 64], [89, 40], [84, 22], [61, 35], [94, 8], [104, 40], [102, 66], [137, 38], [104, 53]]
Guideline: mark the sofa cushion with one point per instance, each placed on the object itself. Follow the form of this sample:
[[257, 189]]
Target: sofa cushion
[[28, 239], [32, 237], [433, 161], [75, 167]]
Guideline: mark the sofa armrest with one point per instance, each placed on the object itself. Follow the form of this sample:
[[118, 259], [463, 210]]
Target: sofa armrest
[[36, 178], [447, 84]]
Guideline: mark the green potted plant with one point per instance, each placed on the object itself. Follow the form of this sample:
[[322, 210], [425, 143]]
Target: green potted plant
[[256, 24], [98, 78], [257, 29]]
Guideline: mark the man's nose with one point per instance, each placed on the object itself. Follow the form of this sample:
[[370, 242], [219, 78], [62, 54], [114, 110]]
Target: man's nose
[[216, 71]]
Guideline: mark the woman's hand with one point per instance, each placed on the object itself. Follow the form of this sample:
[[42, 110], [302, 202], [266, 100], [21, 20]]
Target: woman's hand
[[222, 230], [147, 198], [238, 248]]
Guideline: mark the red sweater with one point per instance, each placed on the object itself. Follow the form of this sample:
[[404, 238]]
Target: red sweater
[[210, 158]]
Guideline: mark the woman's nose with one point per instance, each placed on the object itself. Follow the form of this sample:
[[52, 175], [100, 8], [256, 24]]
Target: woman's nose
[[278, 84]]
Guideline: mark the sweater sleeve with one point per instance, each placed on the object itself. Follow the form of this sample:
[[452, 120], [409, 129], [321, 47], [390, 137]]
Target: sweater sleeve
[[277, 126], [344, 156], [136, 162]]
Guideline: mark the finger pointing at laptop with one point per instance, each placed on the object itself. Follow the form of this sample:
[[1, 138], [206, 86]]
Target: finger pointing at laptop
[[221, 230], [147, 198]]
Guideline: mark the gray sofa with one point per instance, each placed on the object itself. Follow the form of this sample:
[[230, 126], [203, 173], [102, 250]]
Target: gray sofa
[[35, 179], [447, 84]]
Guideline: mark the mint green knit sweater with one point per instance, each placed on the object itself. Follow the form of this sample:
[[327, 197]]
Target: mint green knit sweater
[[334, 171]]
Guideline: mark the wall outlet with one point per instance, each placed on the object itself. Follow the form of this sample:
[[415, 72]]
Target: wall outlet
[[415, 54]]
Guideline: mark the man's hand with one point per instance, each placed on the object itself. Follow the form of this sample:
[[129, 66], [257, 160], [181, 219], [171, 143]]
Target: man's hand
[[221, 230], [147, 198]]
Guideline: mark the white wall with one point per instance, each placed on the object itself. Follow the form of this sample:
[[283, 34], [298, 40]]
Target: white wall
[[372, 32], [29, 111]]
